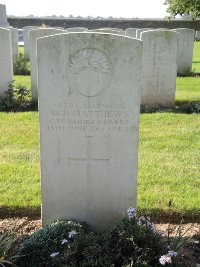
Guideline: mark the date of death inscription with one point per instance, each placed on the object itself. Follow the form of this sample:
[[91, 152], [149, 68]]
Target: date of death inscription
[[76, 117]]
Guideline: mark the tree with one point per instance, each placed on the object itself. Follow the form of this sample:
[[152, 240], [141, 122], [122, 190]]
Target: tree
[[184, 7]]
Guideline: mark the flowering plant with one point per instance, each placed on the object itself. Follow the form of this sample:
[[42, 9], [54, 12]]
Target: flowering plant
[[173, 244]]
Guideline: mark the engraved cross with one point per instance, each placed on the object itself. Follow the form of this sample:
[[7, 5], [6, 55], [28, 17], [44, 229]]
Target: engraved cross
[[89, 159]]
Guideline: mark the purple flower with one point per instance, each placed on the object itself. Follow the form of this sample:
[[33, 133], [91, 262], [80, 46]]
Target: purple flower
[[172, 253], [54, 254], [131, 213]]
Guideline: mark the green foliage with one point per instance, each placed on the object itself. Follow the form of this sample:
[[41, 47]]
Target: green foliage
[[174, 243], [129, 243], [6, 240], [21, 66], [182, 7], [16, 98], [36, 251], [187, 90]]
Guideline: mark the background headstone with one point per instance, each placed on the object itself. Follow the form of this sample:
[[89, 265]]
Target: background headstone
[[159, 68], [3, 16], [6, 64], [32, 37], [89, 104], [139, 31], [76, 29], [185, 50], [26, 41], [197, 35], [131, 32], [14, 41], [109, 30]]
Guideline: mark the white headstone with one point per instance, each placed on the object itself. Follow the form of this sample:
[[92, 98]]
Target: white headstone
[[185, 50], [197, 35], [14, 41], [3, 16], [26, 41], [6, 67], [109, 30], [89, 104], [131, 32], [76, 29], [32, 36], [139, 31], [159, 68]]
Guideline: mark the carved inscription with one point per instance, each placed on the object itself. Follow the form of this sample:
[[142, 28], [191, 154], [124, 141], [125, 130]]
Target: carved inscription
[[76, 117], [89, 72]]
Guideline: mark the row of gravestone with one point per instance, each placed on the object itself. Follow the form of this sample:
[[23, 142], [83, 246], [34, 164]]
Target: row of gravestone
[[161, 56], [165, 53]]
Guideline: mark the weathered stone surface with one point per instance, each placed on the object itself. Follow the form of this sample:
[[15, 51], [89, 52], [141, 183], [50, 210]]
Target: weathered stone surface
[[14, 41], [6, 67], [197, 35], [185, 50], [131, 32], [33, 34], [3, 16], [109, 30], [26, 41], [139, 31], [159, 67], [76, 29], [89, 104]]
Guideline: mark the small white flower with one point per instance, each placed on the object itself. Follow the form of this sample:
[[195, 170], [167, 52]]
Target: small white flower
[[54, 254], [165, 259], [72, 234], [64, 241]]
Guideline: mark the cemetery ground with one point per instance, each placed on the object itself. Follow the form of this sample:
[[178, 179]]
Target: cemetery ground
[[169, 163]]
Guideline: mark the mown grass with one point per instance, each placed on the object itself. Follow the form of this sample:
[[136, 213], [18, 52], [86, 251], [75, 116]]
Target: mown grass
[[169, 163], [196, 58], [187, 89], [19, 160]]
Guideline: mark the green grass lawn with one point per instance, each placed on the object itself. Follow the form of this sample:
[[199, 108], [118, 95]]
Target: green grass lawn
[[169, 163], [196, 57], [187, 89]]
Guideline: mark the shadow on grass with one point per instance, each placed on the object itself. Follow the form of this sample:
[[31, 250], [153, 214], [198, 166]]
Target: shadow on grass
[[8, 212], [156, 215], [184, 107]]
